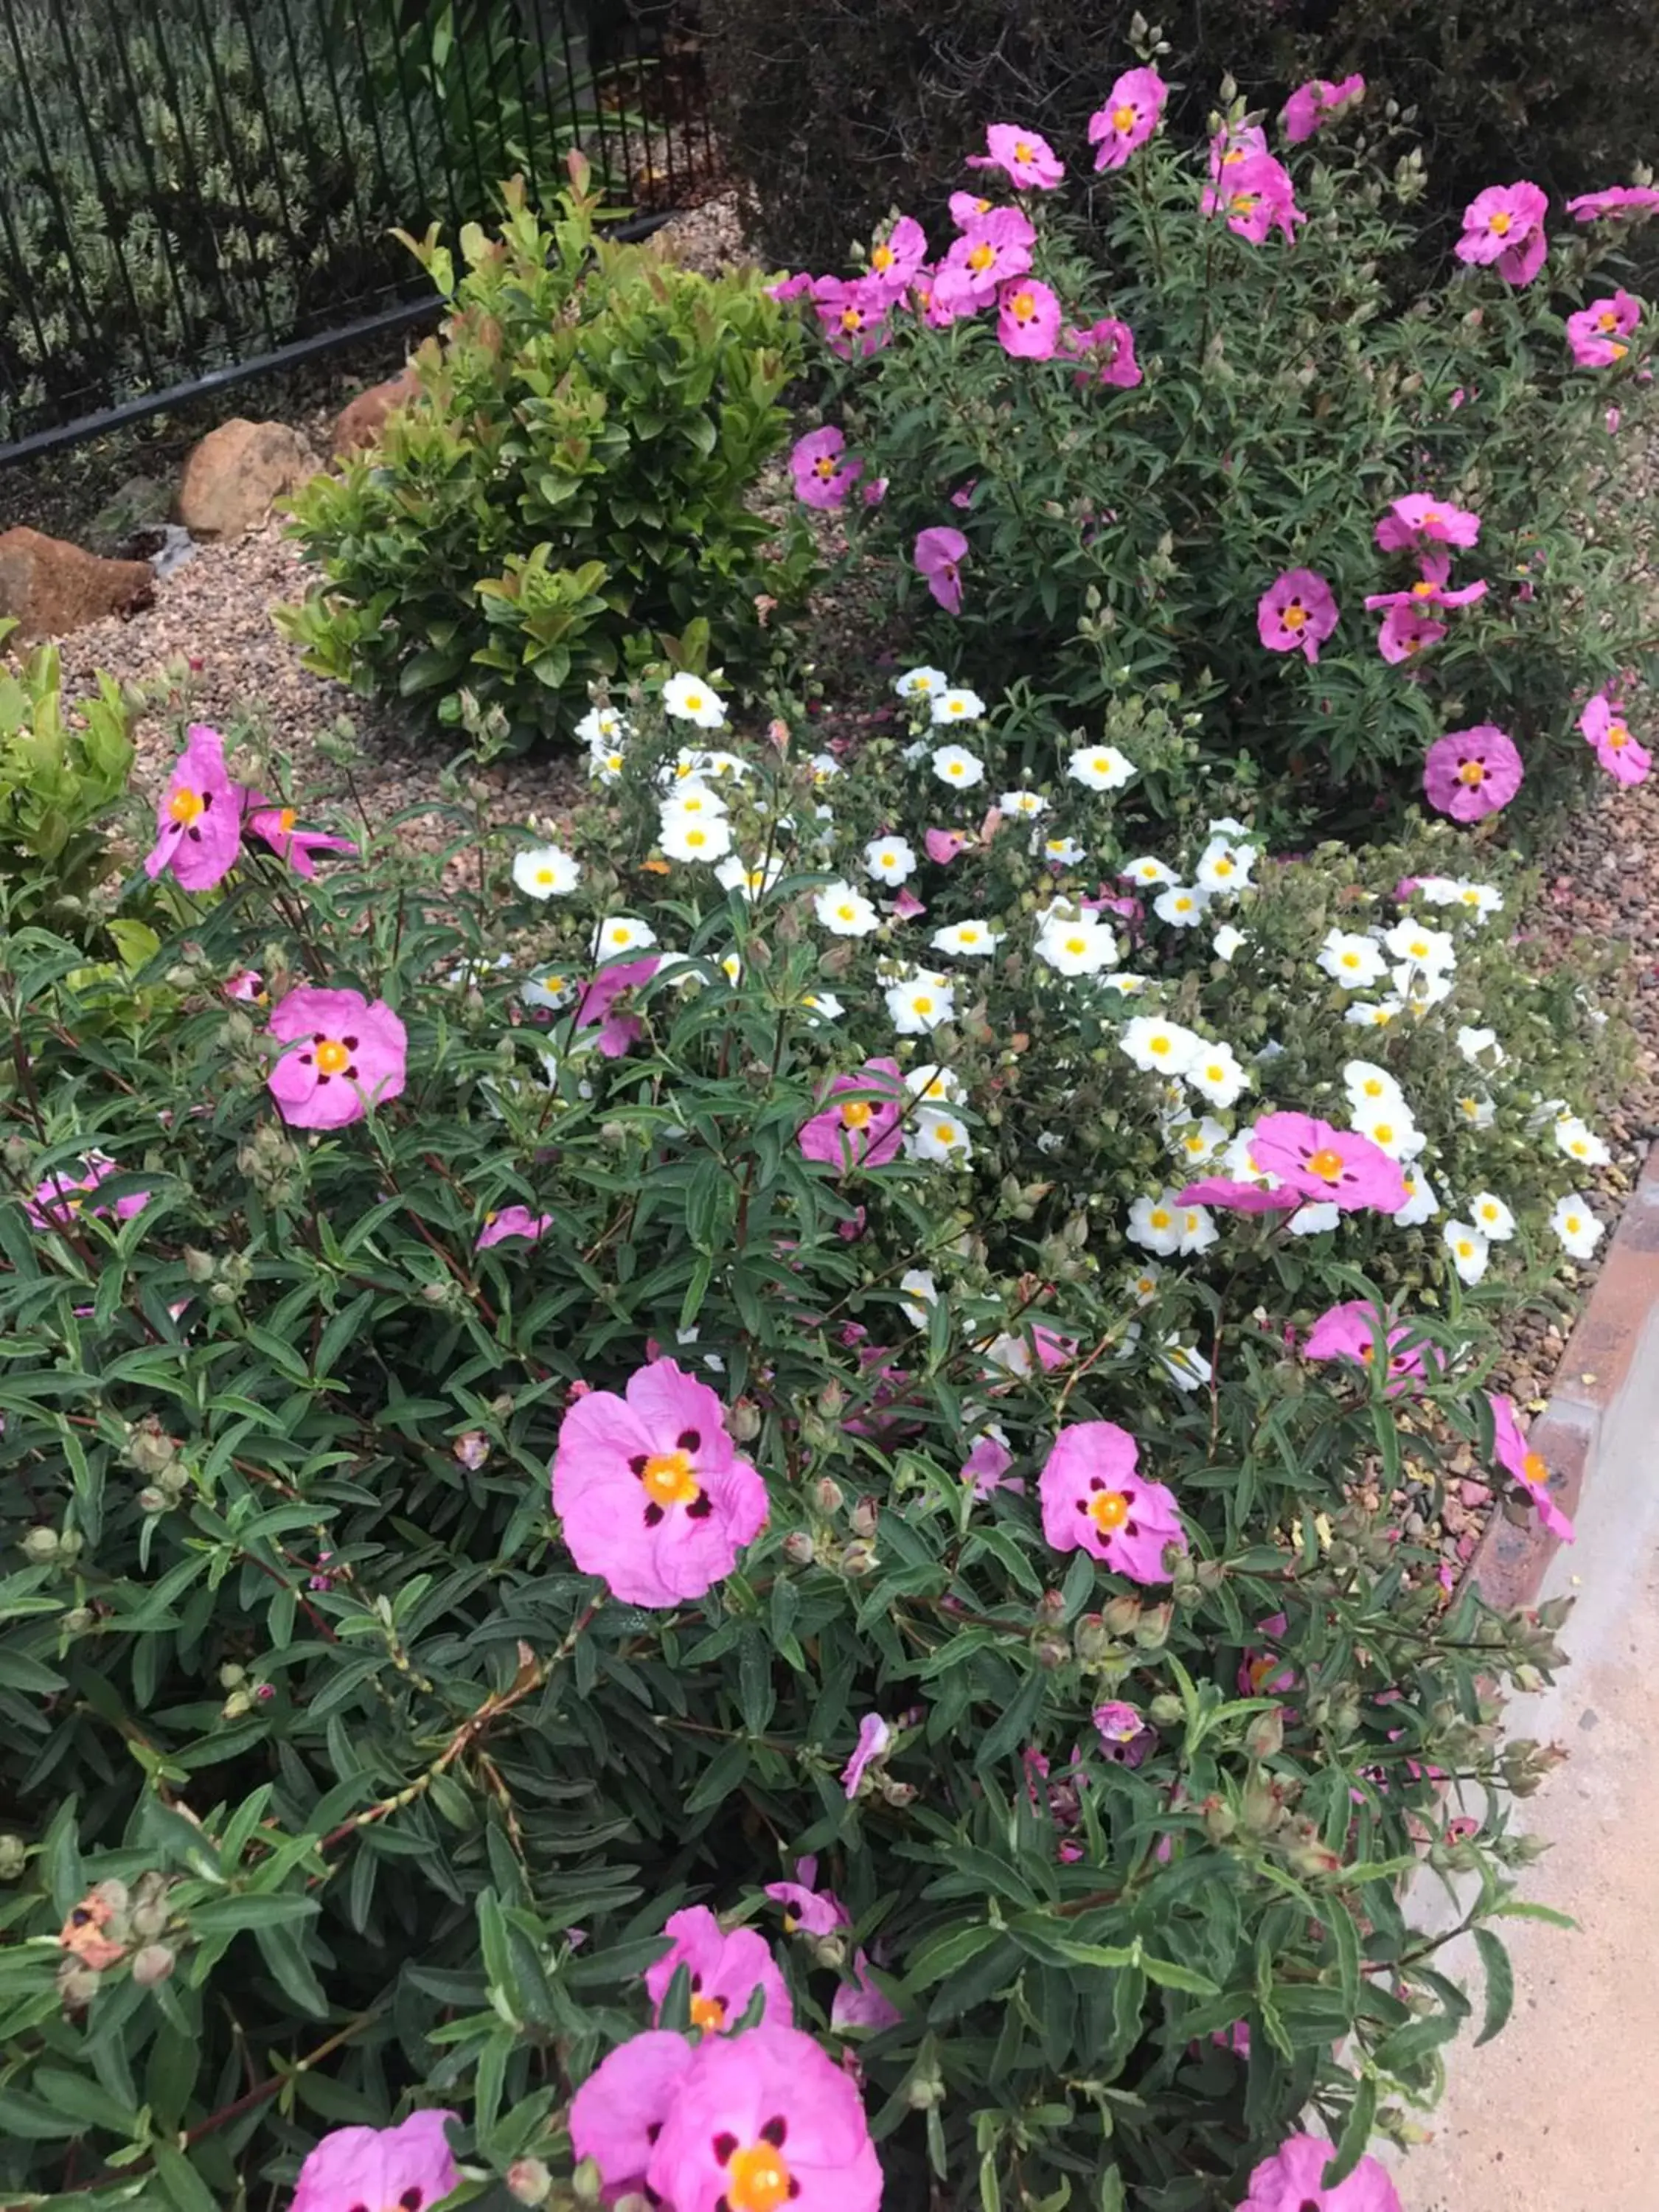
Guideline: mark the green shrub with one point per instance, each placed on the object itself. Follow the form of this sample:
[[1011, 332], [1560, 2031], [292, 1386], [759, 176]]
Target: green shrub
[[335, 1786], [63, 773], [566, 497], [1124, 529]]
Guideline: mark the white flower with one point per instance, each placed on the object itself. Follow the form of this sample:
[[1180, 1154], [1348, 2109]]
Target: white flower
[[1545, 1110], [690, 794], [889, 859], [736, 875], [1127, 986], [1481, 1048], [1491, 1218], [845, 911], [1477, 1110], [1389, 1124], [1155, 1224], [920, 683], [1198, 1141], [1225, 868], [1576, 1226], [1421, 1203], [1072, 943], [1162, 1047], [911, 754], [1064, 852], [1421, 987], [920, 1283], [824, 766], [1581, 1143], [1352, 960], [1478, 899], [1101, 767], [548, 990], [975, 938], [1214, 1070], [1469, 1248], [695, 764], [938, 1135], [962, 706], [696, 835], [730, 967], [1198, 1231], [1142, 1285], [1372, 1013], [1367, 1084], [1028, 805], [1225, 826], [605, 763], [824, 1004], [1422, 948], [919, 1003], [1147, 870], [1186, 1366], [934, 1086], [1240, 1164], [1314, 1220], [956, 765], [693, 699], [1050, 1143], [602, 728], [1181, 908], [545, 872], [622, 933], [1228, 940]]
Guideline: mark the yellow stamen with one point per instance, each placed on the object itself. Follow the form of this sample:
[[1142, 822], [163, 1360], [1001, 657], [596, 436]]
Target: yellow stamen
[[333, 1058], [1108, 1510], [1326, 1163], [669, 1480]]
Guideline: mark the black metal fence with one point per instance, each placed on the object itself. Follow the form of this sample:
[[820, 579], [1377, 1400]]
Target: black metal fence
[[192, 191]]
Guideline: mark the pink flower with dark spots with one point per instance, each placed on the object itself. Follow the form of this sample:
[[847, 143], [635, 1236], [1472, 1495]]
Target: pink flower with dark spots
[[1253, 196], [1317, 103], [859, 1127], [408, 2165], [514, 1221], [619, 2111], [1124, 1731], [1625, 202], [822, 478], [342, 1056], [874, 1736], [725, 1972], [247, 986], [278, 827], [1419, 521], [968, 208], [1469, 774], [1350, 1331], [1106, 351], [1093, 1498], [791, 288], [1129, 118], [1025, 157], [896, 257], [1327, 1166], [944, 845], [619, 1033], [939, 555], [761, 2122], [1027, 320], [860, 2003], [1605, 729], [198, 815], [991, 250], [1503, 227], [1263, 1674], [1431, 589], [1406, 633], [651, 1490], [1516, 1458], [1600, 334], [61, 1199], [1291, 2181], [851, 314], [1237, 1197], [988, 1461], [814, 1912], [1296, 613]]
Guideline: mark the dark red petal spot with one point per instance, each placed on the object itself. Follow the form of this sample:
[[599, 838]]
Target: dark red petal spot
[[653, 1516], [724, 2146], [412, 2199], [652, 2131], [774, 2131], [636, 1465], [350, 1043], [700, 1507], [690, 1440]]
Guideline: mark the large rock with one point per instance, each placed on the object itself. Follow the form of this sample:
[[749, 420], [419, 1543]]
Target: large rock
[[358, 422], [51, 587], [232, 479]]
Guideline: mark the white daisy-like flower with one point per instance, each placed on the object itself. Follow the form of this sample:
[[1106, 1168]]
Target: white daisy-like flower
[[1146, 871], [1101, 767], [606, 763], [1050, 1143], [1063, 852], [622, 933], [824, 766], [976, 940], [1481, 1048], [824, 1004], [752, 880], [1142, 1284], [603, 728], [911, 754], [1389, 1124], [1421, 987], [844, 911], [1469, 1248], [1214, 1071], [1373, 1013], [1476, 1110], [955, 764], [1161, 1047], [921, 682], [550, 990], [1225, 826], [959, 705], [938, 1135], [545, 872], [924, 1292], [889, 859], [1353, 961], [1224, 866], [920, 1002], [1198, 1142], [693, 699], [1184, 1364], [693, 836], [1197, 1230], [1155, 1224], [1073, 943], [1228, 940], [1314, 1220], [1492, 1217], [1127, 986], [730, 967], [1422, 1202], [1409, 941], [1481, 900], [691, 795], [1579, 1230], [932, 1086], [1240, 1164], [1180, 908], [1580, 1142], [1367, 1084], [1027, 804]]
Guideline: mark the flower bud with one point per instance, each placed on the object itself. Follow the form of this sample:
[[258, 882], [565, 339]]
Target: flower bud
[[827, 1495], [198, 1266], [1166, 1711], [1265, 1736], [924, 2089], [743, 1420], [859, 1560], [1053, 1649], [70, 1544], [1095, 1644], [1051, 1608], [587, 2181], [1220, 1821], [1152, 1629], [528, 2180], [1121, 1616], [799, 1547], [150, 1917], [231, 1676], [153, 1964], [864, 1517], [236, 1704], [828, 1950], [151, 1500], [78, 1620], [77, 1985], [14, 1856], [1308, 1853], [39, 1546]]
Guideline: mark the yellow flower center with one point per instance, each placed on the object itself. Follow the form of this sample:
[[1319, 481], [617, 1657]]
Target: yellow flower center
[[1295, 616], [1123, 119], [981, 256], [1534, 1470], [709, 2012], [185, 804], [544, 875], [692, 837], [1617, 736], [1607, 320], [1223, 868], [823, 468], [968, 934], [285, 821], [856, 1113], [1350, 959], [852, 318], [333, 1058], [669, 1480], [1159, 1217], [1023, 306], [1022, 152], [1472, 773], [1465, 1250], [1501, 223], [947, 1133], [694, 702], [1573, 1224], [1244, 203], [757, 2179], [923, 1006], [846, 914], [1326, 1163], [1158, 1044], [883, 257], [1215, 1072], [1382, 1133], [1108, 1510], [1422, 589], [1077, 946]]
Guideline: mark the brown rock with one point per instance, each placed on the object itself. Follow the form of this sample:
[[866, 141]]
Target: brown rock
[[358, 422], [232, 478], [50, 588]]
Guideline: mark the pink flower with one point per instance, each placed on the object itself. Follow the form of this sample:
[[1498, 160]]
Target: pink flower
[[275, 825], [1529, 1469], [1348, 1331], [619, 2112], [1327, 1166], [1264, 1673], [862, 1130], [906, 906], [247, 985], [967, 208], [1405, 632], [725, 1972], [860, 2003], [198, 817], [1239, 1197], [1471, 773], [1617, 201], [651, 1490], [1419, 519], [988, 1460], [1604, 726], [851, 314], [894, 260], [791, 288], [874, 1736], [1597, 333], [1318, 102], [1028, 159], [1296, 613], [1235, 2038], [1254, 194], [345, 1054], [1107, 352], [944, 845], [1129, 118], [60, 1199], [814, 1912], [619, 1033], [993, 248], [822, 478], [1124, 1731], [472, 1449], [1027, 320], [875, 491], [1431, 588], [409, 2164], [1093, 1498], [764, 2120], [514, 1221], [1291, 2181], [939, 555], [1232, 147], [1504, 225]]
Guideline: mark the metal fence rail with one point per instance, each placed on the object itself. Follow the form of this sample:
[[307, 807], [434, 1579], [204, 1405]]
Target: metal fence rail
[[193, 191]]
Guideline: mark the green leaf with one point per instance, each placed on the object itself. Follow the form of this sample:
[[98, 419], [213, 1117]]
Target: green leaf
[[1356, 2133], [1500, 1984]]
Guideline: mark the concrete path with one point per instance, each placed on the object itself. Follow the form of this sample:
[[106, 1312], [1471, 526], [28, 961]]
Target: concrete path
[[1560, 2113]]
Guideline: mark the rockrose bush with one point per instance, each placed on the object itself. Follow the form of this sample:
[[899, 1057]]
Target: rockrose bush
[[1142, 415], [711, 1506]]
